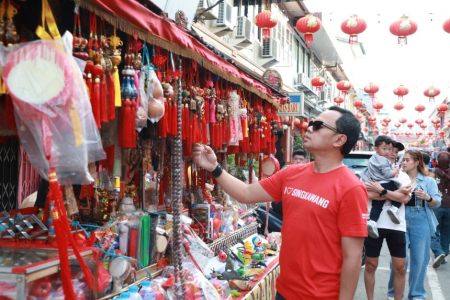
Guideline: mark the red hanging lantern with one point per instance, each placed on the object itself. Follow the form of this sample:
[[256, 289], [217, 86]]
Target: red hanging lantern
[[308, 25], [395, 133], [410, 125], [372, 119], [318, 82], [432, 92], [375, 131], [419, 121], [446, 26], [402, 28], [441, 132], [363, 110], [266, 21], [399, 106], [338, 100], [385, 132], [408, 133], [378, 106], [353, 26], [397, 125], [401, 91], [297, 123], [442, 108], [358, 104], [344, 86], [384, 124], [359, 116], [448, 125], [402, 120], [366, 129], [436, 121], [371, 89], [430, 134], [420, 108], [387, 120], [419, 133], [423, 126]]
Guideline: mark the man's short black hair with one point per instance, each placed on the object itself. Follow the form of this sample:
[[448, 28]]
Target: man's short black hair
[[300, 152], [349, 125], [383, 139], [426, 158]]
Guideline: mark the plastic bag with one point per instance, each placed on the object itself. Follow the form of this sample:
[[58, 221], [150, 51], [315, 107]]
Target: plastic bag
[[154, 95], [52, 108]]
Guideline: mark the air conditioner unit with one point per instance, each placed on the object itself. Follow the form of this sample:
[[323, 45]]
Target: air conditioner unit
[[270, 49], [244, 28], [224, 15], [210, 14], [302, 78]]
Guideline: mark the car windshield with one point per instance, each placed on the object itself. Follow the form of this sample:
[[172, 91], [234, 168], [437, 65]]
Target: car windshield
[[357, 161]]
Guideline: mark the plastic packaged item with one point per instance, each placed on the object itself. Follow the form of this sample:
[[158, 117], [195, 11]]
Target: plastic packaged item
[[235, 121], [154, 94], [54, 116], [134, 293]]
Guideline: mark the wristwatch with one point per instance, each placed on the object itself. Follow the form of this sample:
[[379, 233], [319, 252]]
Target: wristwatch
[[383, 192], [431, 199], [217, 171]]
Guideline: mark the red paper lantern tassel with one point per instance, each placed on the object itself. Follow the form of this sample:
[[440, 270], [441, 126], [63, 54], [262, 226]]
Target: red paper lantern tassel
[[219, 135], [203, 180], [266, 34], [162, 124], [228, 132], [95, 101], [111, 98], [61, 239], [128, 125], [196, 134], [309, 37], [212, 135], [104, 100], [204, 130], [206, 110], [88, 69]]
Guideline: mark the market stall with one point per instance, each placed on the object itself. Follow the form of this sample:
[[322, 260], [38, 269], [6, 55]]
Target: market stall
[[110, 128]]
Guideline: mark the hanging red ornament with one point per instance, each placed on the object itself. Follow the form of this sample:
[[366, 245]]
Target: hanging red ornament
[[399, 106], [387, 120], [384, 124], [375, 131], [401, 91], [402, 28], [446, 26], [419, 133], [338, 100], [359, 116], [344, 86], [308, 25], [358, 104], [419, 121], [353, 26], [366, 129], [297, 123], [385, 132], [431, 92], [378, 106], [420, 108], [266, 21], [436, 121], [410, 125], [423, 126], [441, 132], [371, 89], [318, 82], [397, 125]]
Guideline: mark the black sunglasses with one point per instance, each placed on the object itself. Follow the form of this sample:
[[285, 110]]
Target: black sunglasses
[[316, 125]]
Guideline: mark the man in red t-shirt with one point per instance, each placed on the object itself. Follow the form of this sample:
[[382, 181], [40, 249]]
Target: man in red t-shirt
[[324, 210]]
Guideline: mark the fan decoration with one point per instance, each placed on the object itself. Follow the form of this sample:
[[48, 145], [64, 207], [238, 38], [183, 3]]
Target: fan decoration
[[273, 78], [401, 91], [308, 25], [403, 28], [399, 106], [431, 92], [420, 108], [371, 89], [353, 26], [344, 86], [266, 21], [318, 82]]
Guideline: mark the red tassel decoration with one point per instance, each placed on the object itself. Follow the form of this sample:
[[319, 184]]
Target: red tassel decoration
[[111, 98], [88, 69], [204, 130], [196, 134], [95, 95], [129, 125], [104, 100], [162, 124], [206, 111]]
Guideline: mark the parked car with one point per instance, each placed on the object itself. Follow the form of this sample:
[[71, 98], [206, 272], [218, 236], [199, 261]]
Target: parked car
[[358, 160]]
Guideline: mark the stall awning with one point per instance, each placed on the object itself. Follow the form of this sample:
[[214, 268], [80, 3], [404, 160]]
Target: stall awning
[[135, 19]]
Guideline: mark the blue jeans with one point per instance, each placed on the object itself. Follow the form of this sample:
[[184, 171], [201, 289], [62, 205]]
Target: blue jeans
[[418, 241], [441, 242]]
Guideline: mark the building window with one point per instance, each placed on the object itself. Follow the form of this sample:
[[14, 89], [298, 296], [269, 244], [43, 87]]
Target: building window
[[301, 56], [295, 56]]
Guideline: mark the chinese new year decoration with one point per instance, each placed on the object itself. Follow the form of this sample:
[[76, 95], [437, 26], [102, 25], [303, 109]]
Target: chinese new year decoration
[[399, 106], [442, 108], [338, 100], [402, 120], [420, 108], [308, 25], [344, 86], [431, 92], [371, 89], [353, 26], [402, 28], [266, 21], [446, 26], [419, 121], [378, 106], [401, 91], [358, 104], [318, 82], [397, 125], [423, 126], [387, 120]]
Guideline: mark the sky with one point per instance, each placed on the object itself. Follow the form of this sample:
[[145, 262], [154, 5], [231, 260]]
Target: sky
[[423, 62]]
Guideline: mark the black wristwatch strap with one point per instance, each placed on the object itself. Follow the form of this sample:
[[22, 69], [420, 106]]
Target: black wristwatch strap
[[217, 171], [431, 199], [383, 192]]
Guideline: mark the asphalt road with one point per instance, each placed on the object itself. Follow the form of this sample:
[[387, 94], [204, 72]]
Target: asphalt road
[[437, 281]]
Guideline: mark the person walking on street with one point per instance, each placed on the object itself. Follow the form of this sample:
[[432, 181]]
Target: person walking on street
[[325, 207], [420, 223], [440, 243], [393, 233]]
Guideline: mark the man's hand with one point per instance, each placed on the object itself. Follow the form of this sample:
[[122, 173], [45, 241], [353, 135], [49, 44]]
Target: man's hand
[[395, 171], [405, 190], [204, 157], [373, 186]]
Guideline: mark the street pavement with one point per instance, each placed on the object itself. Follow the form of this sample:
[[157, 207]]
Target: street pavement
[[437, 282]]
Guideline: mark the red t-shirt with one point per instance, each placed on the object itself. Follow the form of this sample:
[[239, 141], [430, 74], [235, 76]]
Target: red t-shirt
[[318, 209]]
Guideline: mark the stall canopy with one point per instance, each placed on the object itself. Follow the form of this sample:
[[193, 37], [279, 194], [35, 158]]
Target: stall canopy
[[135, 19]]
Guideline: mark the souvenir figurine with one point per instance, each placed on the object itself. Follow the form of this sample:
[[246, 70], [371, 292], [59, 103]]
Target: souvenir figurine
[[260, 251], [248, 252], [222, 256]]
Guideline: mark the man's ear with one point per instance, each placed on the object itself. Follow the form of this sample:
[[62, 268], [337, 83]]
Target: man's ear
[[340, 141]]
